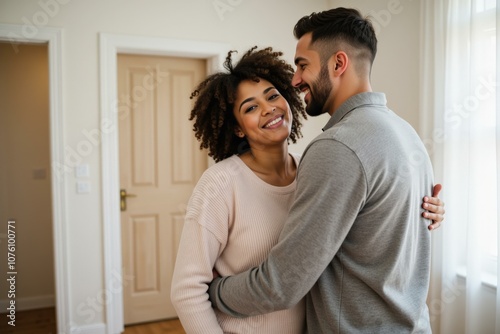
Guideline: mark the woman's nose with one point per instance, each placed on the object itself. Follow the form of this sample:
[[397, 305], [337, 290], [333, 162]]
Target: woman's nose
[[269, 110]]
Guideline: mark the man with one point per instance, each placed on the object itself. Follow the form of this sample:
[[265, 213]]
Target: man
[[354, 243]]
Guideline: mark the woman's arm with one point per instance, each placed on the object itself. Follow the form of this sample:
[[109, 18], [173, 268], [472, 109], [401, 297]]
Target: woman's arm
[[203, 237], [198, 250]]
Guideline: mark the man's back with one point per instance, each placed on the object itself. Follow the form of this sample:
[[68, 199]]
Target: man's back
[[378, 279]]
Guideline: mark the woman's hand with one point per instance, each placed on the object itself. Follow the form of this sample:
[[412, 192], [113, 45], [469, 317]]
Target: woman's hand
[[434, 208]]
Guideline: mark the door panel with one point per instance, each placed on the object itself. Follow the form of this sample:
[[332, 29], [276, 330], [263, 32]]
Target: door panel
[[160, 163]]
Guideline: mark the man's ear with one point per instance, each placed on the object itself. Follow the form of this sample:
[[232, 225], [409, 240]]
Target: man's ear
[[338, 63]]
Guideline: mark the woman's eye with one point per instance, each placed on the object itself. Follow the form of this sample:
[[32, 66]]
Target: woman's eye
[[250, 109], [274, 97]]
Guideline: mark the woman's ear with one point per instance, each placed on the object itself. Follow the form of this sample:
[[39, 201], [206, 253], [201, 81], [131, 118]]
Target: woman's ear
[[238, 132]]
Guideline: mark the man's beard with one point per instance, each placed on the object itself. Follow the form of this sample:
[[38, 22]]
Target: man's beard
[[320, 92]]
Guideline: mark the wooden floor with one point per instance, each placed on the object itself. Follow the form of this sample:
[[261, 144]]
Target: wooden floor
[[167, 327], [43, 321]]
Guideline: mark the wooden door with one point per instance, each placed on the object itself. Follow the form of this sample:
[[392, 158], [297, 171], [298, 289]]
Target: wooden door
[[160, 163]]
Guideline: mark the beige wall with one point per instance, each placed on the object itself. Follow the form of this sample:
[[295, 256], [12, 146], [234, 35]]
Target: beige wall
[[24, 148]]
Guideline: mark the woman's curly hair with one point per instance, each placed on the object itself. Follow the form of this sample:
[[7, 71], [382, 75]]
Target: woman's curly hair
[[215, 123]]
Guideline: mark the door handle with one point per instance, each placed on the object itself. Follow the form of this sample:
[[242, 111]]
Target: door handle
[[123, 199]]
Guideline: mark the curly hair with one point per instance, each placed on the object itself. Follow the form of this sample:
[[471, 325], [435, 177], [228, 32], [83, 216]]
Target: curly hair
[[215, 122]]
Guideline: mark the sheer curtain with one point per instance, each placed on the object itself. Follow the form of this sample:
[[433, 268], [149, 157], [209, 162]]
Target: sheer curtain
[[461, 129]]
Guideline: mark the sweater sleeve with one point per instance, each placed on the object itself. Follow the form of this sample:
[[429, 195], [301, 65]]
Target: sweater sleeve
[[331, 190], [203, 239]]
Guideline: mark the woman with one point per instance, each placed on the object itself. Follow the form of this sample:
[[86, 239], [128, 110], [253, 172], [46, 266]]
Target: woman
[[245, 118]]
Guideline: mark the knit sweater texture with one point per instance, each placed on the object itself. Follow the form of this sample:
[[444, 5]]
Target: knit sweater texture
[[233, 220], [355, 242]]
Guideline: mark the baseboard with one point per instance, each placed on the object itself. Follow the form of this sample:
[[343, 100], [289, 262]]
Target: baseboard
[[29, 303], [89, 329]]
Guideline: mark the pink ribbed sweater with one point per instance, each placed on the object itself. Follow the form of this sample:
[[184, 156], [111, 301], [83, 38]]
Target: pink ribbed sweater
[[233, 220]]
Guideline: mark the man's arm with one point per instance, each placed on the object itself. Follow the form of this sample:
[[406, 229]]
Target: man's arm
[[331, 190]]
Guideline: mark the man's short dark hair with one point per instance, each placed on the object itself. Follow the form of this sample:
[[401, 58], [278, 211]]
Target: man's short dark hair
[[339, 25]]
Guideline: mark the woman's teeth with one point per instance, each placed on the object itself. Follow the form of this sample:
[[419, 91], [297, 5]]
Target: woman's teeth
[[276, 121]]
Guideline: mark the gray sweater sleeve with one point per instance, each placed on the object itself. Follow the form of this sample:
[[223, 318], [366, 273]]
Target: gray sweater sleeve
[[331, 190]]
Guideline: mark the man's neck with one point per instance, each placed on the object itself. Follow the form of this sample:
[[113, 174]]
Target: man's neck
[[344, 95]]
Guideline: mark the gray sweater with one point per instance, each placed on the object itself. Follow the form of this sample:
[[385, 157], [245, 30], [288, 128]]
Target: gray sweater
[[354, 243]]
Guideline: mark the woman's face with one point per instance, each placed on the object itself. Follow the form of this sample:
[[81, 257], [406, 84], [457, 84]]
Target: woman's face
[[263, 114]]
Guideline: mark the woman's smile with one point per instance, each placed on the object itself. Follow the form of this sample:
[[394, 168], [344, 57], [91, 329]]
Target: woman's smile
[[274, 122]]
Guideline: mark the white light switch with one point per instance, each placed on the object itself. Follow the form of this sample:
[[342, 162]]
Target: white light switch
[[82, 170], [82, 187]]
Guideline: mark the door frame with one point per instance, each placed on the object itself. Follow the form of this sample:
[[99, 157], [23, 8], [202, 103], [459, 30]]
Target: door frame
[[16, 34], [110, 45]]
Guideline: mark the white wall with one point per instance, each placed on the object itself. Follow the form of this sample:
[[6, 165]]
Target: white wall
[[243, 24]]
